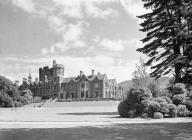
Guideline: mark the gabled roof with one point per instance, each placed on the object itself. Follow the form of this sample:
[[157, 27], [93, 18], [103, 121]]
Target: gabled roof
[[66, 80], [101, 76], [84, 77]]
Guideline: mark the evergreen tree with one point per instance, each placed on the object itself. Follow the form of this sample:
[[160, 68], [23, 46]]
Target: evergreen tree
[[168, 40]]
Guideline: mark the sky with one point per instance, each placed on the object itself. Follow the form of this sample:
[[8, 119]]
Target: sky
[[80, 34]]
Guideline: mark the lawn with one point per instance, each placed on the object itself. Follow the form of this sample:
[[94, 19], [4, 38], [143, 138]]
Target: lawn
[[163, 131], [96, 120]]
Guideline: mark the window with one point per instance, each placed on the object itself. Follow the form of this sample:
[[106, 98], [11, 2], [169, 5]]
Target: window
[[82, 85], [61, 96], [96, 94], [106, 84], [55, 86], [82, 94], [96, 85], [72, 95], [87, 95]]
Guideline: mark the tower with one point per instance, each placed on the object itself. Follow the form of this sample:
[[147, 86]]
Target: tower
[[54, 63], [30, 78]]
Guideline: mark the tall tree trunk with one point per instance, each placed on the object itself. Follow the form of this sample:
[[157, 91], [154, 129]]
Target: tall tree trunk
[[177, 65]]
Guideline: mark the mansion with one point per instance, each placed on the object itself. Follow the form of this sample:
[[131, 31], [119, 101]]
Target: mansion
[[53, 84]]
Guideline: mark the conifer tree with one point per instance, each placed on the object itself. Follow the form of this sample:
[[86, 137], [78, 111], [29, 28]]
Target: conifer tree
[[168, 39]]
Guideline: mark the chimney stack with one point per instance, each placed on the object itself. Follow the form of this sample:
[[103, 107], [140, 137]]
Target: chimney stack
[[93, 73], [16, 82], [36, 80], [81, 73]]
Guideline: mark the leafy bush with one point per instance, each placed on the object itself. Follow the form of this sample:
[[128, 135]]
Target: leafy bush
[[131, 113], [123, 108], [179, 88], [153, 107], [13, 92], [164, 108], [17, 104], [189, 114], [23, 100], [188, 104], [190, 95], [28, 97], [143, 107], [158, 115], [8, 101], [172, 110], [178, 99], [167, 99], [159, 100], [182, 111], [137, 95]]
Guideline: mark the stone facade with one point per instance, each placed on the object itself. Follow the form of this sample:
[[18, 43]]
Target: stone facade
[[52, 84]]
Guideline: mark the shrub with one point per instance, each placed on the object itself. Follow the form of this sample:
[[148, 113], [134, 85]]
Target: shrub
[[179, 88], [153, 107], [13, 92], [190, 95], [8, 101], [137, 95], [143, 107], [178, 99], [16, 104], [167, 99], [164, 108], [190, 114], [172, 110], [159, 100], [131, 113], [182, 111], [158, 115], [123, 108], [188, 104], [23, 100], [144, 115]]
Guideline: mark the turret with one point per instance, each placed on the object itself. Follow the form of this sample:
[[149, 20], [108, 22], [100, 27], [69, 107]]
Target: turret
[[54, 63], [24, 80], [30, 78], [36, 80], [93, 73]]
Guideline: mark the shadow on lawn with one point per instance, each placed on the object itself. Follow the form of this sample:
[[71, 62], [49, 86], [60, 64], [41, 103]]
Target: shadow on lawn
[[89, 113], [154, 131]]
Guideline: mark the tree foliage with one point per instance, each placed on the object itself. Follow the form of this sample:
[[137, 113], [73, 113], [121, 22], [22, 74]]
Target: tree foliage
[[168, 41]]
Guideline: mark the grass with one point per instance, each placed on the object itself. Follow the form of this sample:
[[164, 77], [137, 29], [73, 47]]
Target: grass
[[164, 131], [84, 121]]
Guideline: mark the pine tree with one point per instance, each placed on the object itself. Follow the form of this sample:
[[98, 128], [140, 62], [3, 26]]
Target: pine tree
[[168, 40]]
